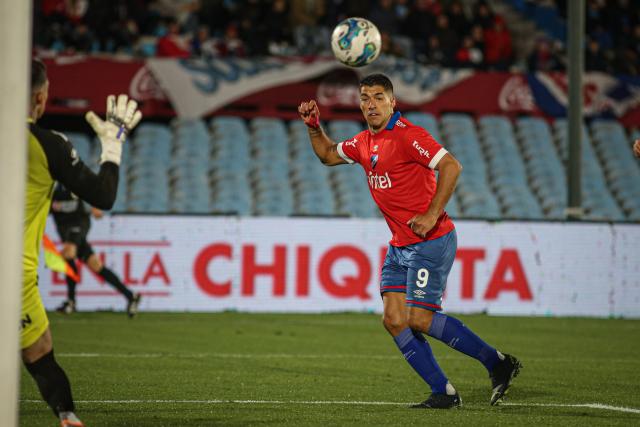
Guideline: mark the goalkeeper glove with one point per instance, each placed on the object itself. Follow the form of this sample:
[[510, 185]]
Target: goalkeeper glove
[[122, 117]]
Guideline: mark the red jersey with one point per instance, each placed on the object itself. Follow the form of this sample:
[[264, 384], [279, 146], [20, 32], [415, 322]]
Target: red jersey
[[399, 163]]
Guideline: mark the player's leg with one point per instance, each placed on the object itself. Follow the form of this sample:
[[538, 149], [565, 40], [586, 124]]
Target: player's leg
[[414, 347], [39, 360], [93, 262], [430, 282], [69, 253]]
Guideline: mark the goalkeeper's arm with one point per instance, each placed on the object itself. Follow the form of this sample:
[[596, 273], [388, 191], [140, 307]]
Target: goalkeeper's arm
[[100, 189]]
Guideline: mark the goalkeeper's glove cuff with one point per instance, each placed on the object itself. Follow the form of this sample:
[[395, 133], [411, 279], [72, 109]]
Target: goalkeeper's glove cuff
[[111, 151]]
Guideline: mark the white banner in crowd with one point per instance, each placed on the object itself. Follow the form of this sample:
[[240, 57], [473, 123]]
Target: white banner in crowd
[[321, 265], [197, 87]]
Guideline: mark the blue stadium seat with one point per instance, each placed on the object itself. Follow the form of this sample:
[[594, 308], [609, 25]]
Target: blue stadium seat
[[509, 183], [621, 170], [545, 171]]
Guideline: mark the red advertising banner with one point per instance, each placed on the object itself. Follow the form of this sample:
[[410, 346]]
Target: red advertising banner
[[79, 84], [275, 87]]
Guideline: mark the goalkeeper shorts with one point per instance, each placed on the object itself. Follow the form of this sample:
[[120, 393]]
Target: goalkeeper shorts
[[33, 319]]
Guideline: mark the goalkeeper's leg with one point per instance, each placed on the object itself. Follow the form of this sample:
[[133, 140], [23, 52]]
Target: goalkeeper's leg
[[52, 381]]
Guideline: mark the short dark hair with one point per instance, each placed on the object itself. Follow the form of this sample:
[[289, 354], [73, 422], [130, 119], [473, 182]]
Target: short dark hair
[[38, 74], [377, 80]]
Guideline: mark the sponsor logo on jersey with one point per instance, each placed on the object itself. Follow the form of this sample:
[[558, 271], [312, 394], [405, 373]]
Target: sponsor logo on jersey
[[374, 161], [375, 148], [422, 151], [379, 181], [351, 142], [419, 293]]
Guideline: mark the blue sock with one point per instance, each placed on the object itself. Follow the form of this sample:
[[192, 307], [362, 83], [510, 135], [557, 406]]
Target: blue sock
[[418, 353], [456, 335]]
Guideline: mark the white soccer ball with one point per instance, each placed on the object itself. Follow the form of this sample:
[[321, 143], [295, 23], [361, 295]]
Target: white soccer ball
[[356, 42]]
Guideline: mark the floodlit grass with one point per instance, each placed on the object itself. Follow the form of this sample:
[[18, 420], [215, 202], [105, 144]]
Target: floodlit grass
[[202, 369]]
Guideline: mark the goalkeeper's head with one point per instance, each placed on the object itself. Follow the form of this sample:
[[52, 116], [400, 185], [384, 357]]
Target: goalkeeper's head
[[39, 88]]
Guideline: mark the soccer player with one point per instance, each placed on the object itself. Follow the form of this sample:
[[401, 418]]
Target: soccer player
[[399, 160], [72, 219], [52, 158]]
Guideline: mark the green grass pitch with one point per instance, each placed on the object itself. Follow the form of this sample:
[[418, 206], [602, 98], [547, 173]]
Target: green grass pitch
[[238, 369]]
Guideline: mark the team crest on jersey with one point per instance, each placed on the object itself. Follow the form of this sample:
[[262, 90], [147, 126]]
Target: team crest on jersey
[[375, 148], [374, 161], [400, 124]]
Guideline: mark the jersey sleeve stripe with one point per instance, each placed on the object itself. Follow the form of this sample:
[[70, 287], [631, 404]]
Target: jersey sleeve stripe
[[343, 155], [439, 155]]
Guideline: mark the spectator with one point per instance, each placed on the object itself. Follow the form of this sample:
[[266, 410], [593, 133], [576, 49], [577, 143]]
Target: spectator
[[468, 55], [339, 10], [252, 27], [457, 19], [80, 40], [420, 24], [172, 44], [544, 57], [434, 54], [202, 44], [448, 39], [477, 35], [231, 44], [498, 50], [278, 32], [594, 57], [483, 16], [383, 15], [389, 46], [305, 18]]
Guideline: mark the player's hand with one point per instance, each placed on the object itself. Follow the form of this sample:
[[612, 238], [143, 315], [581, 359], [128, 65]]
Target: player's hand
[[122, 116], [310, 114], [421, 224], [636, 148], [97, 213]]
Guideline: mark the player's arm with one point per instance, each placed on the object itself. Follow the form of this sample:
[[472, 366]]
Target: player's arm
[[66, 167], [636, 148], [449, 170], [324, 147], [100, 189]]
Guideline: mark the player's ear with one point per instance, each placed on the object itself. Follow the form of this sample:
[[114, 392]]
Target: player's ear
[[393, 102]]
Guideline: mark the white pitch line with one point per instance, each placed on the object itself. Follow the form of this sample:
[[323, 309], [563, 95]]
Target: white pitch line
[[343, 402], [328, 356], [242, 402], [230, 356], [578, 405]]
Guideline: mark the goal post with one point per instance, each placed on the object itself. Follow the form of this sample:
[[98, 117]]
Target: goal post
[[15, 48]]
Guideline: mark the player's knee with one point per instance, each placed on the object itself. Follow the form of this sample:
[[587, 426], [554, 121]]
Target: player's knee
[[69, 252], [394, 323], [420, 320], [94, 263], [38, 349]]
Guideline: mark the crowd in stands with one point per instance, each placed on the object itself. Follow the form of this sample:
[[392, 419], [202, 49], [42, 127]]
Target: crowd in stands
[[429, 31], [613, 36], [448, 33]]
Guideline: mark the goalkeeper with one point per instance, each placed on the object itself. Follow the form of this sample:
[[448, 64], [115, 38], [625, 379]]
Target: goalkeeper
[[52, 158]]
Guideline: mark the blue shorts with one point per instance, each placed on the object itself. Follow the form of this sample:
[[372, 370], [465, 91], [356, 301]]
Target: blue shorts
[[420, 270]]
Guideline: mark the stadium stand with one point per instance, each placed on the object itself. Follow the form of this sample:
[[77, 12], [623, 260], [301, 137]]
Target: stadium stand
[[265, 167]]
